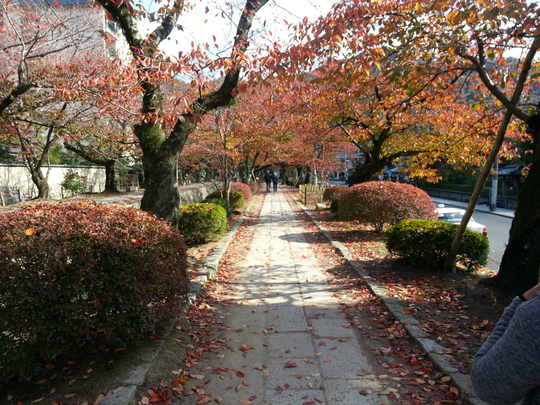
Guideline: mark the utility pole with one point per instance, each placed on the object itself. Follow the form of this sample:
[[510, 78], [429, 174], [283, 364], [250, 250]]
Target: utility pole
[[494, 185]]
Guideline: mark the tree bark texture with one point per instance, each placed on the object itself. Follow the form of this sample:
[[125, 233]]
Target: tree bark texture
[[520, 264]]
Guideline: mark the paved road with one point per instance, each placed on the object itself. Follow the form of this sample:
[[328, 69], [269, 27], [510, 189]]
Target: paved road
[[498, 230]]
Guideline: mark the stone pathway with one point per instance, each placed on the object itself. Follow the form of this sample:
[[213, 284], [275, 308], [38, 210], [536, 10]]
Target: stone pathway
[[287, 343]]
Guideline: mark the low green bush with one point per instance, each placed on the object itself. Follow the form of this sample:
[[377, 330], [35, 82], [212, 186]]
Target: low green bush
[[236, 199], [221, 202], [72, 182], [333, 192], [79, 273], [383, 203], [427, 243], [202, 222]]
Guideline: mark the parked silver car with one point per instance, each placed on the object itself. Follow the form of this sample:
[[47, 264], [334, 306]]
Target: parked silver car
[[455, 215]]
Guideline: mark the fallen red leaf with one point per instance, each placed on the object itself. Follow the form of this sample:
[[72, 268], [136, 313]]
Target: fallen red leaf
[[290, 364], [240, 374], [203, 400]]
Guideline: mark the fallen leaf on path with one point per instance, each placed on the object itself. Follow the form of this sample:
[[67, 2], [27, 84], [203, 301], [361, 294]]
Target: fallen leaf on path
[[203, 400]]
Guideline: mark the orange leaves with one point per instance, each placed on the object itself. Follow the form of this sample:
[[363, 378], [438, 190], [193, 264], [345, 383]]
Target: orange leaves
[[31, 231]]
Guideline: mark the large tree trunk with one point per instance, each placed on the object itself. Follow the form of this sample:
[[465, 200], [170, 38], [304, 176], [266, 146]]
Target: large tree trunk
[[364, 172], [111, 185], [520, 265], [161, 196]]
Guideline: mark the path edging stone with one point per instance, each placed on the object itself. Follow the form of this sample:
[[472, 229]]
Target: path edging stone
[[432, 348]]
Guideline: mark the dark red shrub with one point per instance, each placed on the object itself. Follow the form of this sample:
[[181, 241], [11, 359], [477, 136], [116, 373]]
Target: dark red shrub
[[84, 272], [254, 186], [383, 203], [243, 189]]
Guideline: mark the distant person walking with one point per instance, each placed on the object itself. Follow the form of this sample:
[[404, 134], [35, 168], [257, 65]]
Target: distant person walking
[[268, 180], [275, 180]]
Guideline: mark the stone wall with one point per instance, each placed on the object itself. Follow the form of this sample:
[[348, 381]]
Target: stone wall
[[17, 177], [196, 193]]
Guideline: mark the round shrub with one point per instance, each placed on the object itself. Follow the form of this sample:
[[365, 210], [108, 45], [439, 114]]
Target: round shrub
[[383, 203], [254, 186], [202, 222], [221, 202], [427, 243], [243, 189], [334, 206], [333, 192], [236, 199], [84, 272]]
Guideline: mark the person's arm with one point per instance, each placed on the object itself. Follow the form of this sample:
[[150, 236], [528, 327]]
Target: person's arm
[[507, 366]]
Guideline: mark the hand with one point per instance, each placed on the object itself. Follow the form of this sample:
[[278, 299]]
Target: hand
[[529, 295]]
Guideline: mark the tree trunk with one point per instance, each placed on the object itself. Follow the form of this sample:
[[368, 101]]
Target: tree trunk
[[521, 260], [161, 196], [364, 172], [111, 185], [41, 183]]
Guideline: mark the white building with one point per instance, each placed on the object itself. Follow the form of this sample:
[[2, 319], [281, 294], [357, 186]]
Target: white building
[[76, 25]]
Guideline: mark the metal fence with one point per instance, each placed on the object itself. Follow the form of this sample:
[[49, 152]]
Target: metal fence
[[10, 195], [502, 200], [310, 193]]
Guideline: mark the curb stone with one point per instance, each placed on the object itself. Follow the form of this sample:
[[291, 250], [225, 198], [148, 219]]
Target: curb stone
[[135, 376], [432, 348]]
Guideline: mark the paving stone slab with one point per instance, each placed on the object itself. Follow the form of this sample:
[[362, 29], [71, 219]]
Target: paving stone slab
[[354, 392], [281, 375], [341, 359], [296, 397], [291, 345], [287, 318], [331, 327]]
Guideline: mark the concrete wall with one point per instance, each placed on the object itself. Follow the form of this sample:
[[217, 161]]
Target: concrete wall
[[17, 176], [196, 194]]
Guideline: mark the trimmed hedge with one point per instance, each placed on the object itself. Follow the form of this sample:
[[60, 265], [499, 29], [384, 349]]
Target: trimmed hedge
[[427, 243], [236, 199], [221, 202], [333, 192], [383, 203], [202, 222], [254, 186], [84, 272], [243, 189]]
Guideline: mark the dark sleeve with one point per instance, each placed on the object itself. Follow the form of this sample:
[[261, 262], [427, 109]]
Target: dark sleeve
[[507, 366]]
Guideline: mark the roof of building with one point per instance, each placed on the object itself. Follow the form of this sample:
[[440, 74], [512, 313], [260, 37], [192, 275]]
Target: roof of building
[[511, 170]]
